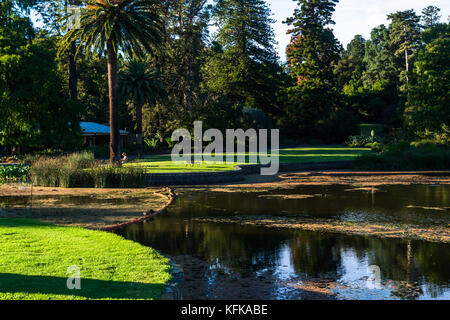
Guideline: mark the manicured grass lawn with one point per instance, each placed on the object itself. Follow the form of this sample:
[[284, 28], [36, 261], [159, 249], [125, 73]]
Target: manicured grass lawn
[[35, 257], [164, 164]]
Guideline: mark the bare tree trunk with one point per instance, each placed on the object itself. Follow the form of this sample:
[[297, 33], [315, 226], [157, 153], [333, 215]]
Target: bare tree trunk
[[113, 104], [139, 130], [407, 66]]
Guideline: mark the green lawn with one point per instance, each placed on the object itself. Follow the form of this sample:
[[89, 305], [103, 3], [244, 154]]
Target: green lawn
[[35, 257], [164, 164]]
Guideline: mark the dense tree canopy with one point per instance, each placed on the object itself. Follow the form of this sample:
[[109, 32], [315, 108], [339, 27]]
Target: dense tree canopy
[[229, 76]]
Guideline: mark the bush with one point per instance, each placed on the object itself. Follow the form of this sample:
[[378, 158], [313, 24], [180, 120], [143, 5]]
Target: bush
[[152, 144], [359, 141], [426, 145], [401, 159], [399, 147], [13, 173], [375, 146]]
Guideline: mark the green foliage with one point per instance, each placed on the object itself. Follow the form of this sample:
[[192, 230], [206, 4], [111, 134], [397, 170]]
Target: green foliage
[[313, 47], [430, 16], [13, 173], [36, 113], [313, 105], [360, 141], [429, 98], [244, 65], [405, 158], [131, 25], [152, 143]]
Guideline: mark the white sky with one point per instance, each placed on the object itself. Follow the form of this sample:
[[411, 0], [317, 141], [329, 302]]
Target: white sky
[[352, 16]]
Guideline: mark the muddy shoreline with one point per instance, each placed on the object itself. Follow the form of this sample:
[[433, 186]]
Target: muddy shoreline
[[88, 208], [329, 177]]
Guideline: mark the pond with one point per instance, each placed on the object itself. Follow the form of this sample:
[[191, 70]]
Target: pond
[[233, 261]]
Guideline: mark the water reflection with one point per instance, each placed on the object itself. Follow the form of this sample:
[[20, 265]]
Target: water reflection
[[278, 264]]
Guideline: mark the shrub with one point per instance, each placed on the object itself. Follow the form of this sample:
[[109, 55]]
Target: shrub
[[359, 141], [405, 159], [426, 145], [13, 173], [398, 147], [152, 144], [375, 146]]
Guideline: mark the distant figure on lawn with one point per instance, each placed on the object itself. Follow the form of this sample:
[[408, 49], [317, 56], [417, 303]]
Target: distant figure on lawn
[[124, 158]]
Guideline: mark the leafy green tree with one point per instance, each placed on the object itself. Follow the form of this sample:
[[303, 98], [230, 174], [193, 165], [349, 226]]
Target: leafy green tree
[[430, 16], [429, 98], [351, 65], [244, 63], [179, 59], [130, 26], [312, 103], [313, 48], [405, 37], [142, 86], [35, 111]]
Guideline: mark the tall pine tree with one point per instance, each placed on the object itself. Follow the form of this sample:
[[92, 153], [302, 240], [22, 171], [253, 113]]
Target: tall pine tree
[[245, 64], [312, 107]]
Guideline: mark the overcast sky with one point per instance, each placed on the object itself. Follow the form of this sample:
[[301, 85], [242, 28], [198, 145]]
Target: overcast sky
[[352, 16]]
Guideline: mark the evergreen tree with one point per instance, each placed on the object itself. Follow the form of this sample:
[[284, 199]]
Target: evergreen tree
[[405, 37], [430, 16], [313, 47], [313, 104], [244, 65], [429, 98]]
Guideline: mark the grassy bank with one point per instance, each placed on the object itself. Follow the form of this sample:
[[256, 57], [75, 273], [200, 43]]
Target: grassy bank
[[36, 256], [164, 164]]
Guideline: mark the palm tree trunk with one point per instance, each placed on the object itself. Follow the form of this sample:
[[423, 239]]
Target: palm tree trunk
[[73, 77], [139, 130], [114, 154]]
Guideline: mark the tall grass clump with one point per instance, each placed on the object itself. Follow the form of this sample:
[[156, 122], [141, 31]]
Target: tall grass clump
[[80, 170], [115, 177], [64, 171]]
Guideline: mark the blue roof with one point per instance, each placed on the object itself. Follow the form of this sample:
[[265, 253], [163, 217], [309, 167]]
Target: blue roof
[[96, 128]]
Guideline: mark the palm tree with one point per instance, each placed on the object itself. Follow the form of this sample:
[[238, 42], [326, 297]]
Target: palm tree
[[142, 86], [129, 26]]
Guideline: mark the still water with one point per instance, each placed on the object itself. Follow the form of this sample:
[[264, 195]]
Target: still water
[[223, 261]]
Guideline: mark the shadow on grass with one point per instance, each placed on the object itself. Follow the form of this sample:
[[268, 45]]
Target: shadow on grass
[[90, 289]]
